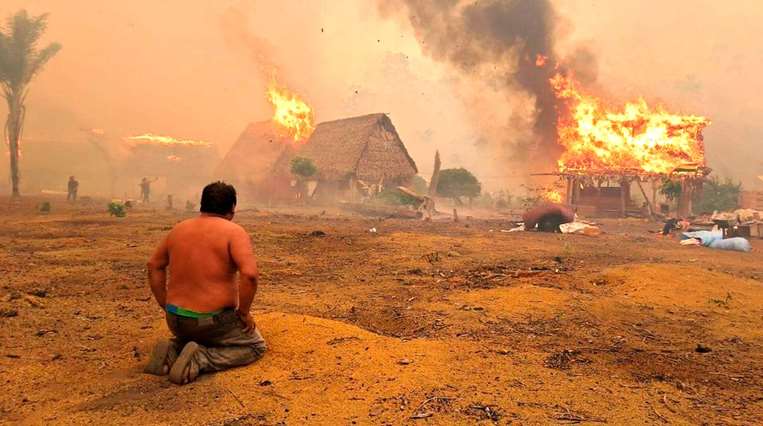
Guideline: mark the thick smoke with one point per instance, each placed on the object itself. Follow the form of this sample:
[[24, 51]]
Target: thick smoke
[[502, 42], [234, 23]]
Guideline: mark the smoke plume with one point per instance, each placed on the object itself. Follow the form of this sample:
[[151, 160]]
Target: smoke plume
[[508, 43]]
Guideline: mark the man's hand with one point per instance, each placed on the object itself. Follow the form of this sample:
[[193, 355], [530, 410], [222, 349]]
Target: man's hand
[[248, 321]]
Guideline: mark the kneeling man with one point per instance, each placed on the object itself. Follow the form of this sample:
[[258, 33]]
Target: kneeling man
[[207, 310]]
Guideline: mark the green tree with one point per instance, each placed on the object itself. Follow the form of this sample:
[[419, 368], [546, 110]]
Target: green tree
[[419, 185], [303, 168], [719, 195], [671, 189], [457, 183], [20, 62]]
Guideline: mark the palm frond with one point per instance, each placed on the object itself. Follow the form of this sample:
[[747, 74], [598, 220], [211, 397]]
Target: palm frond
[[41, 58], [20, 60]]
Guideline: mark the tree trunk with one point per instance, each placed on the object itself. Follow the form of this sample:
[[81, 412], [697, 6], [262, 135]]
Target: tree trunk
[[13, 133], [435, 175]]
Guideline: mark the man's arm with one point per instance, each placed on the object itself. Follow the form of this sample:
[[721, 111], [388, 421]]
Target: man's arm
[[248, 275], [157, 273]]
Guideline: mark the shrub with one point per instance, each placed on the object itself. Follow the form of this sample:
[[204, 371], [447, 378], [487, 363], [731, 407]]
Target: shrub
[[303, 167], [717, 195], [117, 209]]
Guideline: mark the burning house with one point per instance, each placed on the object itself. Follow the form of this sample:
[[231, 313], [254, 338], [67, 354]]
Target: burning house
[[357, 150], [257, 163], [348, 153], [607, 152]]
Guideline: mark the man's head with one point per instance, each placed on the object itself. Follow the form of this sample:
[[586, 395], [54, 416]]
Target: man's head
[[219, 198]]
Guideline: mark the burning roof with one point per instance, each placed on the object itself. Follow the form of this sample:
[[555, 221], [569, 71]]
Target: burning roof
[[290, 113], [255, 154], [635, 139]]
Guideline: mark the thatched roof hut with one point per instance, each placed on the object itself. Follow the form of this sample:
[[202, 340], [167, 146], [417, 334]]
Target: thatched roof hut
[[258, 161], [253, 157], [366, 148]]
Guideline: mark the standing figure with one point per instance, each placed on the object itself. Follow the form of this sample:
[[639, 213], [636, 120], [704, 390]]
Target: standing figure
[[145, 188], [72, 187]]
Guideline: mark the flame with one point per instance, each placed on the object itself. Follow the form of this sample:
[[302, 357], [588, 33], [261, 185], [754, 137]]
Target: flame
[[552, 195], [291, 113], [148, 138], [636, 138], [540, 60]]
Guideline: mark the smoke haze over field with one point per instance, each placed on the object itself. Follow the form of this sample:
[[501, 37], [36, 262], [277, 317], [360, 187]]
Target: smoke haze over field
[[199, 69]]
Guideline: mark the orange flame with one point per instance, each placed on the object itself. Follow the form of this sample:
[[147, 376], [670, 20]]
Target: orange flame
[[636, 138], [148, 138], [540, 60], [552, 195], [291, 113]]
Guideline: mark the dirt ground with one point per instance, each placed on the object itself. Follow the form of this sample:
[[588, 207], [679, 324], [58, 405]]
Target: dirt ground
[[418, 323]]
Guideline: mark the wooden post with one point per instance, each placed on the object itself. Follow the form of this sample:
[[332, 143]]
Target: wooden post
[[623, 196], [648, 203], [654, 193], [568, 195]]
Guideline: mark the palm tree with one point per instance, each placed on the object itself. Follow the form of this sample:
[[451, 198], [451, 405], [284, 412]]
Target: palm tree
[[20, 61]]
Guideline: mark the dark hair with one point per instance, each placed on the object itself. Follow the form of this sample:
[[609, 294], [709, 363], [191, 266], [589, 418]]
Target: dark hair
[[218, 198]]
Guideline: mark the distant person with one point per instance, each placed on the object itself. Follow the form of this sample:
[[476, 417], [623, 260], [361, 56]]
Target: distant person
[[72, 186], [207, 311], [145, 188]]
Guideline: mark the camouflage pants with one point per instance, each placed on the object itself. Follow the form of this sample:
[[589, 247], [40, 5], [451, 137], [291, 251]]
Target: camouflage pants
[[223, 344]]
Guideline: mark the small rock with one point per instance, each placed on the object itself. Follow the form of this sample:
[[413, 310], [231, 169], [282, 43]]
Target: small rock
[[702, 349], [405, 361], [317, 233], [39, 293], [11, 296], [454, 254], [56, 356], [265, 383], [8, 313]]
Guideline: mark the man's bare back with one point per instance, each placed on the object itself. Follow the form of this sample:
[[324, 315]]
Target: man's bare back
[[204, 255]]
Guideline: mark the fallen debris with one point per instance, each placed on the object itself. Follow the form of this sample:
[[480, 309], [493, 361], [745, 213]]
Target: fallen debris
[[579, 228], [485, 412], [562, 360]]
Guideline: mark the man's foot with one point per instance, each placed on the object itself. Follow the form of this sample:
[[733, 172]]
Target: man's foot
[[186, 368], [162, 357]]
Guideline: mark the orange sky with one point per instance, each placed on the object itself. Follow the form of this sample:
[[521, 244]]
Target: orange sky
[[165, 67]]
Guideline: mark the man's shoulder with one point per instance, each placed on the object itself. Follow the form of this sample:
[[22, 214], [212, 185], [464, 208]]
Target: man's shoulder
[[217, 223]]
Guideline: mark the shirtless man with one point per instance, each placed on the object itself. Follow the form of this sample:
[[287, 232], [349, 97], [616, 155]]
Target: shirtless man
[[207, 310]]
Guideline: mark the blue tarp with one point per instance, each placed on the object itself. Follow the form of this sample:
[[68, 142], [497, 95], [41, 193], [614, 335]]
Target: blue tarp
[[714, 240]]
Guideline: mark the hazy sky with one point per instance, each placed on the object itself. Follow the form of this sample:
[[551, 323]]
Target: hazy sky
[[166, 67]]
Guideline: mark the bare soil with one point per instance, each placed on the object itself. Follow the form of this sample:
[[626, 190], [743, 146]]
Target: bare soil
[[420, 323]]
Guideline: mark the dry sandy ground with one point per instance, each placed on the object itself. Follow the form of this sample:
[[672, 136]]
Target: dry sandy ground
[[420, 323]]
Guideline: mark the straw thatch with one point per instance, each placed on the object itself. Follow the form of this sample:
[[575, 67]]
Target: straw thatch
[[255, 155], [366, 148]]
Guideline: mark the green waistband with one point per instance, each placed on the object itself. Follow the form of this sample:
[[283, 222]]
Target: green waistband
[[177, 310]]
